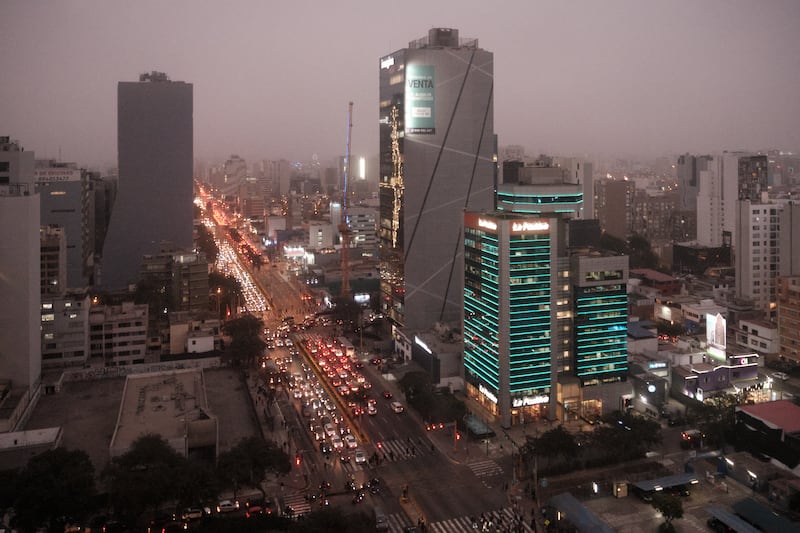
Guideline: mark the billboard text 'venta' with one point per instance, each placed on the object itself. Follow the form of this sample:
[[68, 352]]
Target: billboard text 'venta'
[[420, 117]]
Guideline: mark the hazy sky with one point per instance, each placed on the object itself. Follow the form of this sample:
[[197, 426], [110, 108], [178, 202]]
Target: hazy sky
[[273, 78]]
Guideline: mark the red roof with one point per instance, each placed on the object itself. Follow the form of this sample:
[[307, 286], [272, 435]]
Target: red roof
[[779, 414], [651, 274]]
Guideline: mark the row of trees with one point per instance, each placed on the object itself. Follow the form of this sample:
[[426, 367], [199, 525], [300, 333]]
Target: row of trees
[[622, 437], [58, 486]]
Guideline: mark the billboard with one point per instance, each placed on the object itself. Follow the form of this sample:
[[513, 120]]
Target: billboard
[[716, 334], [50, 175], [420, 114]]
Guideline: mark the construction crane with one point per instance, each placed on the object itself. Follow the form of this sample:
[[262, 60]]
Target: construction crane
[[344, 229]]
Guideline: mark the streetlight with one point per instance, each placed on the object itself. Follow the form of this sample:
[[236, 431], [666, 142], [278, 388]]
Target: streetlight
[[219, 295]]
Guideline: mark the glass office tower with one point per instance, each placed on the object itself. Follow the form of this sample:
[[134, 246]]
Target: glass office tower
[[154, 195], [514, 311], [436, 161]]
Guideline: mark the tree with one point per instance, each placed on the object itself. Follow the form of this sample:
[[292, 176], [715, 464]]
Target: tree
[[55, 487], [206, 244], [223, 291], [554, 443], [670, 506], [247, 344], [145, 476], [247, 463]]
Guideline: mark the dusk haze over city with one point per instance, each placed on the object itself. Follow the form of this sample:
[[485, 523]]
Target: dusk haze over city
[[409, 267]]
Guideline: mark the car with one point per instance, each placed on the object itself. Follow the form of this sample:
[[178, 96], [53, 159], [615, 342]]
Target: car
[[371, 409], [375, 361], [337, 442], [387, 394], [254, 510], [360, 457], [344, 458], [324, 447], [350, 442], [227, 506], [192, 513], [783, 376], [330, 430], [397, 407]]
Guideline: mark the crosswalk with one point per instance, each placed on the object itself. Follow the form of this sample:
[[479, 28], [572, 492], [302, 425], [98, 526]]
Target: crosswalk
[[486, 468], [400, 450], [505, 519], [297, 501]]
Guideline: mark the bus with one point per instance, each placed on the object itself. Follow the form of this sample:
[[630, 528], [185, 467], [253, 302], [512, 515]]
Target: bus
[[347, 347]]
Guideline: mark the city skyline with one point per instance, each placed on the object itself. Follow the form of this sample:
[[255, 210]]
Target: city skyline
[[274, 80]]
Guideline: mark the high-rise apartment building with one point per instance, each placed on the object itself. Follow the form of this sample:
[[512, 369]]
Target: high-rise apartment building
[[614, 207], [154, 195], [757, 253], [437, 151], [20, 282]]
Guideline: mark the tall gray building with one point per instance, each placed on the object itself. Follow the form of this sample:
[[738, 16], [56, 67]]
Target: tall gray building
[[437, 150], [154, 194], [21, 313]]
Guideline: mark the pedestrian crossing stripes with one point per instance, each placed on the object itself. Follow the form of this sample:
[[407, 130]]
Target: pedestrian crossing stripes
[[486, 468], [297, 501], [506, 519], [399, 450]]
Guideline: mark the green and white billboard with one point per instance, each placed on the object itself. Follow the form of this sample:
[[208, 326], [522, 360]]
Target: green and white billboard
[[420, 117]]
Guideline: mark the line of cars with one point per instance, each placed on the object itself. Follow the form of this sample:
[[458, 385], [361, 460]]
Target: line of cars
[[325, 425]]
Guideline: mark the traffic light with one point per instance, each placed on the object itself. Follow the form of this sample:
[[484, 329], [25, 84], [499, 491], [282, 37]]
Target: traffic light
[[458, 435], [298, 459]]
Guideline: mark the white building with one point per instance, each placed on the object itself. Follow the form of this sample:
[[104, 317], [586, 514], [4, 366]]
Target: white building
[[756, 246], [364, 227], [321, 234], [716, 199], [759, 336], [20, 318]]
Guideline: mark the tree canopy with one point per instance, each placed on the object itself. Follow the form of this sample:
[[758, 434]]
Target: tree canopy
[[145, 476], [55, 488], [247, 463], [247, 344]]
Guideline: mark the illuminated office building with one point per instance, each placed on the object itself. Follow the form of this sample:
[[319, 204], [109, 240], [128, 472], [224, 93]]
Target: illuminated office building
[[516, 311], [437, 151]]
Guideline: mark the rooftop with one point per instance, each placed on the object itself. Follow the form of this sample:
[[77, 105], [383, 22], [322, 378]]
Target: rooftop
[[651, 274], [782, 414], [164, 403]]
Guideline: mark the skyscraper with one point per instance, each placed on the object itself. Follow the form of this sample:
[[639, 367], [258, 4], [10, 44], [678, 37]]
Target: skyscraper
[[545, 325], [437, 151], [154, 195]]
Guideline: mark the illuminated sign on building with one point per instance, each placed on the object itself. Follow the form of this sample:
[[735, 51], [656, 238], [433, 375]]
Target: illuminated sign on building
[[362, 168], [488, 224], [525, 227], [529, 400], [387, 62], [420, 116], [422, 345], [486, 392]]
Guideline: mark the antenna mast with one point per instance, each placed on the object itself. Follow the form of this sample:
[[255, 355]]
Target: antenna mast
[[344, 229]]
